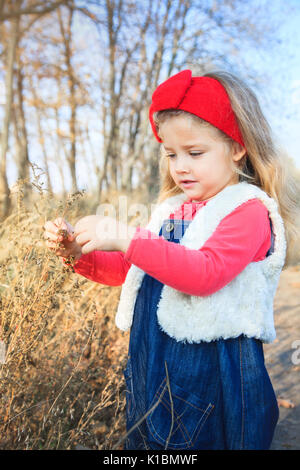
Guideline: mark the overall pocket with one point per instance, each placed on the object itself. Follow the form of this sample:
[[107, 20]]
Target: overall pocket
[[177, 418], [130, 403]]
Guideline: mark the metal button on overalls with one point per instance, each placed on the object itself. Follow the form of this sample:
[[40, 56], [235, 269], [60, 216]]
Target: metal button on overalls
[[169, 227]]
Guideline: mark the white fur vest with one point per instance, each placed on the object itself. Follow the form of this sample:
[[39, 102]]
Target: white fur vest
[[244, 306]]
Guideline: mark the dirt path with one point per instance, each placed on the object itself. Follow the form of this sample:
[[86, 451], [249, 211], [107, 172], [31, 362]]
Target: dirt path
[[283, 359]]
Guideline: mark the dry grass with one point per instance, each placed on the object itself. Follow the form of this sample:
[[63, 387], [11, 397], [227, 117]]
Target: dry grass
[[61, 383]]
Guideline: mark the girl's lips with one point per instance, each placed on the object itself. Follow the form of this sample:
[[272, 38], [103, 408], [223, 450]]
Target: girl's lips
[[188, 184]]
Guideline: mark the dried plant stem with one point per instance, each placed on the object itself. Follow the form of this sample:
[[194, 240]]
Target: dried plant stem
[[70, 378], [172, 406], [25, 411], [140, 420], [25, 312]]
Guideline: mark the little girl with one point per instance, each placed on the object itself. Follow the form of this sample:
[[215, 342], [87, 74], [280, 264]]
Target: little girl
[[200, 279]]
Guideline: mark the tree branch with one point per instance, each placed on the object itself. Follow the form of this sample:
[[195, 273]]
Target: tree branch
[[36, 9]]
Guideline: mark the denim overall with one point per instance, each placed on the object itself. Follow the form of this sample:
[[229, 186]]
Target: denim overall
[[179, 395]]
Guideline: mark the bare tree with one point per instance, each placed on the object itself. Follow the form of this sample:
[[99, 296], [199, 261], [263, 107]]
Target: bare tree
[[66, 32], [115, 19], [15, 8], [39, 105], [21, 139], [171, 35], [13, 11], [11, 54], [140, 45]]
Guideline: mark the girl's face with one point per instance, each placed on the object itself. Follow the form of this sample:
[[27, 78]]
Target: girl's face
[[199, 159]]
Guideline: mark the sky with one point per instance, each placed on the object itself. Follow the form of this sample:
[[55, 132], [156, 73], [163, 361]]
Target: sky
[[283, 67]]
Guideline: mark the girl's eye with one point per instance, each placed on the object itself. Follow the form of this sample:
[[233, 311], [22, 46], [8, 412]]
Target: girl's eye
[[192, 154], [195, 154]]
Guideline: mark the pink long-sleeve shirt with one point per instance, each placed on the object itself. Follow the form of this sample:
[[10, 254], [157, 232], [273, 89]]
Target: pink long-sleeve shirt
[[242, 237]]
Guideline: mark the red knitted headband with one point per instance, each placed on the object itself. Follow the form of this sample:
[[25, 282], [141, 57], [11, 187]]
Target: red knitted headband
[[203, 96]]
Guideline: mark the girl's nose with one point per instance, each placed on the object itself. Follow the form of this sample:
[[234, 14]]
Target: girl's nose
[[181, 166]]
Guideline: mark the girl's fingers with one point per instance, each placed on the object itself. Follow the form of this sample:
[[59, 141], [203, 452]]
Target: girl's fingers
[[59, 251], [71, 236], [88, 247], [60, 223], [78, 230], [77, 233], [52, 244], [82, 238], [50, 227], [83, 224], [61, 226], [53, 236]]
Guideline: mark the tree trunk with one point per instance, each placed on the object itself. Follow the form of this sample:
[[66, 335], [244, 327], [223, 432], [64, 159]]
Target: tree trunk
[[22, 158], [67, 38], [59, 159], [42, 143], [5, 201], [33, 9]]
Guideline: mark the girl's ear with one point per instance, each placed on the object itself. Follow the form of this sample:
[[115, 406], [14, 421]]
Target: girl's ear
[[238, 151]]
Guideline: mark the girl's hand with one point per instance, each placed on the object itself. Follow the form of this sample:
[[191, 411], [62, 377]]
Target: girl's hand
[[96, 232], [60, 238]]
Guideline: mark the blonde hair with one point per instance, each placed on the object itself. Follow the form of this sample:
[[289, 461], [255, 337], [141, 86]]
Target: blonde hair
[[263, 164]]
